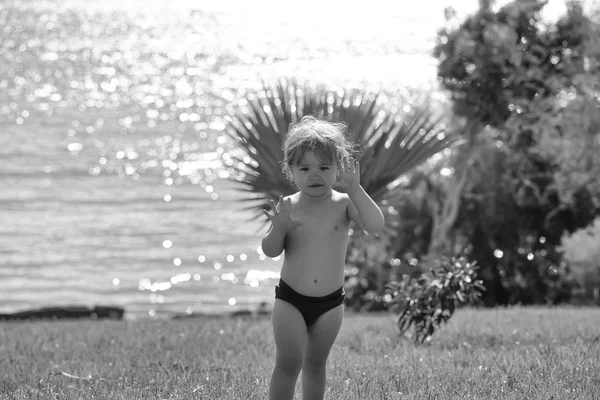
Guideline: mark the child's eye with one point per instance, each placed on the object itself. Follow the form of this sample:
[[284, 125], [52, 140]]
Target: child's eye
[[303, 169], [324, 168]]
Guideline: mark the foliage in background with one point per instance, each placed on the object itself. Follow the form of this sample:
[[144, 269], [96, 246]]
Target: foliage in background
[[583, 253], [566, 127], [429, 301], [517, 84]]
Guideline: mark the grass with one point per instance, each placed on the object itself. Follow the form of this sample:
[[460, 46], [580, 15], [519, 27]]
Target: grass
[[516, 353]]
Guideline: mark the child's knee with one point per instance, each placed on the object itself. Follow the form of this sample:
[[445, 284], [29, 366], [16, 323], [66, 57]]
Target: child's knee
[[289, 364], [315, 362]]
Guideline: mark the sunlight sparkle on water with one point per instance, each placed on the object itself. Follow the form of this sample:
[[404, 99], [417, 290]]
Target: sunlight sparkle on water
[[147, 284], [229, 277], [254, 277], [74, 147], [181, 278]]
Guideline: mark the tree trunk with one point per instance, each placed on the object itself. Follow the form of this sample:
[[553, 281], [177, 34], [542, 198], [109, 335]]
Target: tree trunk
[[445, 214]]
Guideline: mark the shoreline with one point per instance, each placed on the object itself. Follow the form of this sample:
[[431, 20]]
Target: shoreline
[[110, 312]]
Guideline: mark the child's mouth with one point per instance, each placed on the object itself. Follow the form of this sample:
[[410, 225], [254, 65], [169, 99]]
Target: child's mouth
[[315, 185]]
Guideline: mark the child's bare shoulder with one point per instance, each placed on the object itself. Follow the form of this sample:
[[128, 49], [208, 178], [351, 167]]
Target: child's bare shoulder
[[341, 198], [293, 198]]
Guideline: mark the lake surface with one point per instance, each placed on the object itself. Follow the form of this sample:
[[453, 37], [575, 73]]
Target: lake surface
[[111, 131]]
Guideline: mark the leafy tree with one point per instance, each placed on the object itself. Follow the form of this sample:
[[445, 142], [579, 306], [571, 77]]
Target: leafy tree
[[566, 127], [506, 74]]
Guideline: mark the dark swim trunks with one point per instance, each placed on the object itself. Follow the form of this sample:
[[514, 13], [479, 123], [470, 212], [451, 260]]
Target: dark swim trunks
[[311, 308]]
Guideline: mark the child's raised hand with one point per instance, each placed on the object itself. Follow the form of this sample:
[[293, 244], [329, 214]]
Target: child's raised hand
[[281, 215], [349, 176]]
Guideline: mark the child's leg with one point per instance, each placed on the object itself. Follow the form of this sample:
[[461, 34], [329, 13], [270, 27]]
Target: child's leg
[[320, 339], [290, 334]]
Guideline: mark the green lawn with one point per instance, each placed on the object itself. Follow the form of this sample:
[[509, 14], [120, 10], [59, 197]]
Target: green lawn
[[517, 353]]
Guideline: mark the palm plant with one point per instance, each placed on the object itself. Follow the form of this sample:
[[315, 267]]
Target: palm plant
[[391, 145]]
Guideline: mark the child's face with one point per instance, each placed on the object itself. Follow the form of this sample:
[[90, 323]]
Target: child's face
[[313, 176]]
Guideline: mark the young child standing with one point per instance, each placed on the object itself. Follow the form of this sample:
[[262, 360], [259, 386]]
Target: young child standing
[[312, 227]]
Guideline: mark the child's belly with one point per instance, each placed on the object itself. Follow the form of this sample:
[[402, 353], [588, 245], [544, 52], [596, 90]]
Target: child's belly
[[314, 266], [312, 279]]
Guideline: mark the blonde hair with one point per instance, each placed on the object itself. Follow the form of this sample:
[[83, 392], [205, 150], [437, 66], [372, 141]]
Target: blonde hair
[[327, 139]]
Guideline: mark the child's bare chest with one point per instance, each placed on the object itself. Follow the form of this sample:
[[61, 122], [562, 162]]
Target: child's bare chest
[[326, 221]]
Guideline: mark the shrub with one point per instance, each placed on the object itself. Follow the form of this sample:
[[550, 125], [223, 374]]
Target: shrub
[[426, 302]]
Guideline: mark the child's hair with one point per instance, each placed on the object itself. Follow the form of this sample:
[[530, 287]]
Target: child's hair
[[327, 139]]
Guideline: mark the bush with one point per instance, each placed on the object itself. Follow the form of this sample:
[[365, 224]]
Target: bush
[[425, 303], [583, 254]]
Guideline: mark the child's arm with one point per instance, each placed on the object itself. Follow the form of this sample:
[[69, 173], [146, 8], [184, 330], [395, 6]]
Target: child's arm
[[274, 241], [362, 209]]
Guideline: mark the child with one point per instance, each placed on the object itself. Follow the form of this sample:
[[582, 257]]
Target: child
[[312, 227]]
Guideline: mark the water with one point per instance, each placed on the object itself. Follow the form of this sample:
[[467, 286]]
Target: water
[[111, 128]]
